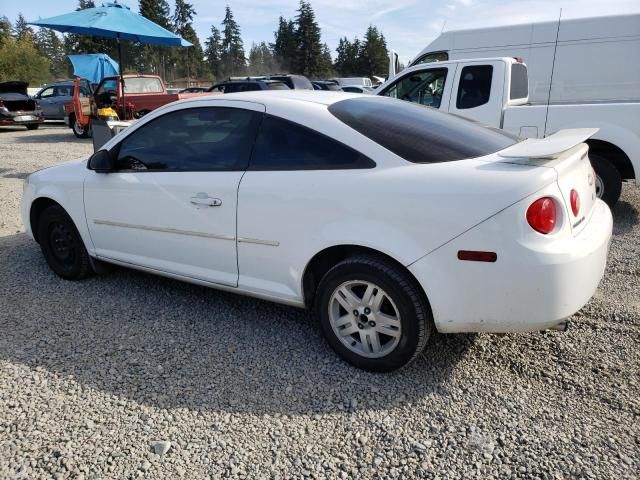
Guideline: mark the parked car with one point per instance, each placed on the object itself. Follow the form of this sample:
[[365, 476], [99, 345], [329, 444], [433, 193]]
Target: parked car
[[52, 98], [284, 197], [349, 81], [326, 85], [17, 108], [357, 89], [294, 82], [247, 85], [583, 72], [193, 90]]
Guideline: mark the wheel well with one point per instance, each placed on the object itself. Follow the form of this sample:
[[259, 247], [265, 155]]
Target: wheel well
[[37, 207], [326, 259], [72, 119], [615, 155]]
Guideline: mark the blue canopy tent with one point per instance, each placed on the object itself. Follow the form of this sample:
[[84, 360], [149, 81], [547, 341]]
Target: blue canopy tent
[[94, 66], [113, 20]]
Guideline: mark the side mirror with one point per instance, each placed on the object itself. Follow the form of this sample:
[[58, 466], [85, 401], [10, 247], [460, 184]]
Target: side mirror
[[101, 162]]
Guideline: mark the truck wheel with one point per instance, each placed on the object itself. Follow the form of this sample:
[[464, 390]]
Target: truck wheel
[[33, 126], [608, 179], [79, 131]]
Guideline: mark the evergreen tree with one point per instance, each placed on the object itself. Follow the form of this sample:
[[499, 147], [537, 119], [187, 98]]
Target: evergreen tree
[[19, 60], [153, 58], [261, 60], [309, 58], [348, 60], [373, 53], [189, 61], [213, 52], [233, 59], [285, 45], [326, 63], [51, 47], [22, 31], [5, 29]]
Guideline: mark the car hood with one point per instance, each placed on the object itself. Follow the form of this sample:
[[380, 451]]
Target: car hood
[[14, 87]]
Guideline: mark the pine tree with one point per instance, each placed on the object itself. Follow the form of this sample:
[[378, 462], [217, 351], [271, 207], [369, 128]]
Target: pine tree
[[189, 62], [5, 29], [261, 60], [213, 52], [285, 45], [51, 47], [347, 63], [233, 59], [308, 61], [22, 31], [326, 63], [153, 58], [373, 53]]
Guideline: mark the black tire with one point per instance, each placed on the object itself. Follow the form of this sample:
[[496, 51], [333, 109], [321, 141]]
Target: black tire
[[33, 126], [62, 245], [408, 298], [79, 131], [610, 179]]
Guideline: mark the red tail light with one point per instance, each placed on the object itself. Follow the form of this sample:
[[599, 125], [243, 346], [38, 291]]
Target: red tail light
[[575, 203], [541, 215]]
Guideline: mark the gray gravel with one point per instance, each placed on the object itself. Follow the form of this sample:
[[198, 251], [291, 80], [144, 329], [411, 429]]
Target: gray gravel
[[130, 375]]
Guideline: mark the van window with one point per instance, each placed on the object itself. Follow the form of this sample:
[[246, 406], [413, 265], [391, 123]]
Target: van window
[[432, 57], [519, 82], [475, 86], [425, 87]]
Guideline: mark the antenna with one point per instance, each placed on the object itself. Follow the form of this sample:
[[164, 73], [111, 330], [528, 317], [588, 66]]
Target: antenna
[[553, 66]]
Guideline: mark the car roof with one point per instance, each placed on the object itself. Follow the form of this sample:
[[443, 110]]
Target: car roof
[[273, 97]]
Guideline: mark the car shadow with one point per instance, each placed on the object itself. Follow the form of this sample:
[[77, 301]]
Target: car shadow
[[60, 136], [625, 217], [168, 344]]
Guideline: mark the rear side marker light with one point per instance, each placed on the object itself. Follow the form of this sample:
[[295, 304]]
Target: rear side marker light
[[541, 215], [575, 202], [476, 256]]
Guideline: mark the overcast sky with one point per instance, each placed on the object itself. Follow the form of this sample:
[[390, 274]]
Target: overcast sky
[[409, 25]]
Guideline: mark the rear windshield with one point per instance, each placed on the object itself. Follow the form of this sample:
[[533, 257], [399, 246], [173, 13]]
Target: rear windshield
[[417, 133], [142, 85]]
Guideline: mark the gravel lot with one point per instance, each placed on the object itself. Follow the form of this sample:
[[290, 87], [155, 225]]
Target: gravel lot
[[93, 373]]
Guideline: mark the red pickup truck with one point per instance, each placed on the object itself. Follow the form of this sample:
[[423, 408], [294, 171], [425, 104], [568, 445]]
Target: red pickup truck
[[142, 93]]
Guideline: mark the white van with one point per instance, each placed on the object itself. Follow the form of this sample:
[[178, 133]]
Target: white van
[[582, 73]]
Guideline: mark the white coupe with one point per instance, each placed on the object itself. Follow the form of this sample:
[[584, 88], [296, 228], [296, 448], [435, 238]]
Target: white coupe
[[390, 219]]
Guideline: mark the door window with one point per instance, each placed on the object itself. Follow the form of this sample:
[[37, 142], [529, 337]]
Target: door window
[[194, 139], [284, 145], [64, 91], [46, 93], [425, 87], [475, 86]]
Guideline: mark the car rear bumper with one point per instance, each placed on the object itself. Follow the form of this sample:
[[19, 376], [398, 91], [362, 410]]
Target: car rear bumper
[[22, 118], [532, 285]]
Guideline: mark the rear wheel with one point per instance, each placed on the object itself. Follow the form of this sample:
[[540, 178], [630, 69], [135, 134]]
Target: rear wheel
[[61, 244], [33, 126], [608, 179], [373, 314], [79, 131]]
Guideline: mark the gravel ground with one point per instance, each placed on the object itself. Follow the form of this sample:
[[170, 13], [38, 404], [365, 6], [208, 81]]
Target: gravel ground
[[130, 375]]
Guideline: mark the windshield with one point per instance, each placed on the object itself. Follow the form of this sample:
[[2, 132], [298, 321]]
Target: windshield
[[419, 134], [142, 85]]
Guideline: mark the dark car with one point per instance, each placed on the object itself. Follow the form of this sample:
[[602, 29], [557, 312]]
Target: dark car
[[326, 85], [295, 82], [52, 98], [248, 84], [193, 90], [17, 108]]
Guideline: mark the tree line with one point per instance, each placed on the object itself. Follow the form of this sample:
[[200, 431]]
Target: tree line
[[297, 47]]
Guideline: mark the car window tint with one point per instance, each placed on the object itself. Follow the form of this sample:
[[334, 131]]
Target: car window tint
[[419, 134], [432, 57], [64, 91], [47, 92], [519, 81], [194, 139], [285, 145], [475, 86], [425, 87]]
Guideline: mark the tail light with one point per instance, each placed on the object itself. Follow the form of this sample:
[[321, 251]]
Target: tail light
[[541, 215], [3, 108], [575, 202]]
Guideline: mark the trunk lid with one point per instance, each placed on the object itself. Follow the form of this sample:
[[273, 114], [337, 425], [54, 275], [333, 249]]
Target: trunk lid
[[14, 87], [566, 153]]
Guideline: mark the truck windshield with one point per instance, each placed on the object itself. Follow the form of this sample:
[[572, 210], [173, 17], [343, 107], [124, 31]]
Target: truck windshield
[[142, 85], [419, 134]]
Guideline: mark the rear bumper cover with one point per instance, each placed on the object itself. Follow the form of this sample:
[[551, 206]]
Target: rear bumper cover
[[532, 286], [21, 118]]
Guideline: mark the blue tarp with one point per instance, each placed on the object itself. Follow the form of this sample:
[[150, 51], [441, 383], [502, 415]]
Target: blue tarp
[[94, 66]]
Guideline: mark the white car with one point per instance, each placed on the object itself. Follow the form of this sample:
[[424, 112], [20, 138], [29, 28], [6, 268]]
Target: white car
[[390, 219]]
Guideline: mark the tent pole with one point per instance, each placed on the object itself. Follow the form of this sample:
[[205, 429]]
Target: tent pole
[[124, 103]]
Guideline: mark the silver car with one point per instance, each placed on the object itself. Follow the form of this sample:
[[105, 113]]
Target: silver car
[[52, 98]]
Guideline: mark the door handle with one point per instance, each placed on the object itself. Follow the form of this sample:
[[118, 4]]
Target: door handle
[[204, 199]]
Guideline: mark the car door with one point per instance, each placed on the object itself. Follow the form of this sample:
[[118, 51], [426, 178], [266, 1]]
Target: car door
[[428, 86], [170, 205], [62, 94], [46, 98]]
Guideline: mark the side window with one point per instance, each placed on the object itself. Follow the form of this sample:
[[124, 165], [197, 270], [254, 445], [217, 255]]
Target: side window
[[194, 139], [432, 57], [64, 91], [475, 86], [47, 92], [284, 145], [425, 87], [250, 87], [519, 82]]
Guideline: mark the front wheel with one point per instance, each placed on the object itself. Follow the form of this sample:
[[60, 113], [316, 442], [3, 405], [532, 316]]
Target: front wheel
[[608, 179], [79, 131], [373, 313]]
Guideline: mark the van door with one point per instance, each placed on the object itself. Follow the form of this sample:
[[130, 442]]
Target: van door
[[478, 92]]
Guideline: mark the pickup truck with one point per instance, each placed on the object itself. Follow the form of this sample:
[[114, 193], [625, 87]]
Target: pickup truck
[[142, 94], [495, 91]]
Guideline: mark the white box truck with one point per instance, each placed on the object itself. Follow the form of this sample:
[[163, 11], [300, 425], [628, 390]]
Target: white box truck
[[582, 73]]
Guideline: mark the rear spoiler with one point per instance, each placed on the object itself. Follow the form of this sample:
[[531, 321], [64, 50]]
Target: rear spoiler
[[549, 147]]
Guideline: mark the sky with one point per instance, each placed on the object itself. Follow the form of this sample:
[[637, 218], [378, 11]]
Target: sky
[[408, 25]]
